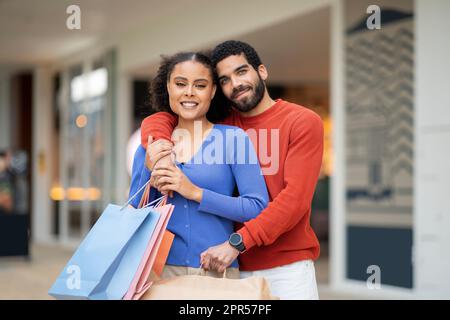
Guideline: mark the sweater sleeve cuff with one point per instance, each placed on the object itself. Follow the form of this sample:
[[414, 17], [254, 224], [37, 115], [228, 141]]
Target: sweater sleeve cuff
[[249, 242]]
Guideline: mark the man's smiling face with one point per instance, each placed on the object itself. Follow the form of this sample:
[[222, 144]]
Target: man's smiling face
[[240, 82]]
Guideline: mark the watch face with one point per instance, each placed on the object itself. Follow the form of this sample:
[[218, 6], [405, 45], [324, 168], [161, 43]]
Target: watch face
[[235, 239]]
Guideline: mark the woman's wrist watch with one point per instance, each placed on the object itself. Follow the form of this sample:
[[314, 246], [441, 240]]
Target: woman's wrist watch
[[237, 242]]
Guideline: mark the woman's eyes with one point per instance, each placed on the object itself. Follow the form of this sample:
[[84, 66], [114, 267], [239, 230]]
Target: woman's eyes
[[181, 84]]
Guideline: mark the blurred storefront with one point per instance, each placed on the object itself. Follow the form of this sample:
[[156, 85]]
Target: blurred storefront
[[382, 196]]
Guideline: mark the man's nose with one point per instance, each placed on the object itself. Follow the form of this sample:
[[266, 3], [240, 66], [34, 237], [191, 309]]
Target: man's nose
[[235, 82]]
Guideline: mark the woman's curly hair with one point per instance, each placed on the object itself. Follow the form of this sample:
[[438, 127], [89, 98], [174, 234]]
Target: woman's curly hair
[[159, 96]]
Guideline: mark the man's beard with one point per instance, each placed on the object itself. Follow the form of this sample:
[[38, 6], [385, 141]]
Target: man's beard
[[250, 102]]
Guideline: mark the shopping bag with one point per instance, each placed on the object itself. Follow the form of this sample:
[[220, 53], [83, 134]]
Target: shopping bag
[[163, 253], [106, 261], [201, 287], [141, 281]]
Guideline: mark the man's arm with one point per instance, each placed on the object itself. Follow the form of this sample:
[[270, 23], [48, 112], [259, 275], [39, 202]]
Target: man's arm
[[159, 125], [302, 168]]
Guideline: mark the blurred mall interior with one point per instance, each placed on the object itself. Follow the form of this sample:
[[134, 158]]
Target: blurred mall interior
[[72, 100]]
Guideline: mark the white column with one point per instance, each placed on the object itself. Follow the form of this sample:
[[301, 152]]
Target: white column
[[337, 209], [123, 133], [63, 147], [41, 154], [86, 158], [432, 132]]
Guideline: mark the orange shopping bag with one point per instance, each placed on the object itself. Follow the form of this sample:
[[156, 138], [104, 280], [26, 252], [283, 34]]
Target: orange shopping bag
[[163, 253]]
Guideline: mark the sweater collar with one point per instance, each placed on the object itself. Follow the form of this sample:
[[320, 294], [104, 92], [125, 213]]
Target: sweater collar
[[264, 115]]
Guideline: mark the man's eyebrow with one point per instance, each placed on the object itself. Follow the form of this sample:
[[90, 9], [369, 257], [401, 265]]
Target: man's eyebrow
[[241, 67]]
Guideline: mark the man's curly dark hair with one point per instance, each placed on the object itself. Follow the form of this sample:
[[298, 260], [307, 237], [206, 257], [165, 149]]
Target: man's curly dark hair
[[234, 47], [159, 96]]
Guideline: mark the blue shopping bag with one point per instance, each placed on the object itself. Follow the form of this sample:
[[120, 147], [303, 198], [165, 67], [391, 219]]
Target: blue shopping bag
[[106, 261]]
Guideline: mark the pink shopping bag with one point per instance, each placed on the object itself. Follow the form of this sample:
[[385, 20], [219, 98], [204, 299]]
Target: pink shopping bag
[[140, 283]]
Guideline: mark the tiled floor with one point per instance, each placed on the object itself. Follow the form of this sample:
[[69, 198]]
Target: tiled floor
[[31, 279]]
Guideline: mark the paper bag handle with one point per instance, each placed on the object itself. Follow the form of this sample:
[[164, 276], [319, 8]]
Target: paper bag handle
[[202, 272]]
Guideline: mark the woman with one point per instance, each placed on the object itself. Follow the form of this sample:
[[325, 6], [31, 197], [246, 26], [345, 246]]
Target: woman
[[211, 161]]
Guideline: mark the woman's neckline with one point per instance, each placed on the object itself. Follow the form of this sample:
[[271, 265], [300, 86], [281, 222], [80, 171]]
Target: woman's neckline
[[206, 137]]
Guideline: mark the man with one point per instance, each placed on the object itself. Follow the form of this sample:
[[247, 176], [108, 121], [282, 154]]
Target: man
[[279, 244]]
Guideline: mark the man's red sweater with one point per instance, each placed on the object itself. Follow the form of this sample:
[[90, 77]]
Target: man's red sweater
[[281, 234]]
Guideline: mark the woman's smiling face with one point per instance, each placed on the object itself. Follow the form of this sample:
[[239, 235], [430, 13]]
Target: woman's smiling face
[[190, 89]]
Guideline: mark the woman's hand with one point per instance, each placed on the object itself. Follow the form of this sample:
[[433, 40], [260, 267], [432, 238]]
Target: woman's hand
[[171, 178], [157, 152]]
